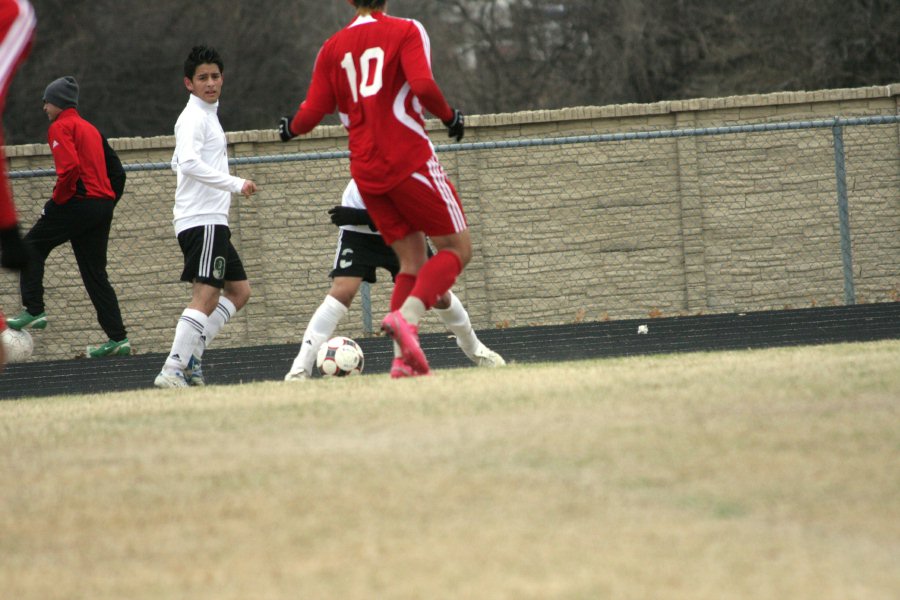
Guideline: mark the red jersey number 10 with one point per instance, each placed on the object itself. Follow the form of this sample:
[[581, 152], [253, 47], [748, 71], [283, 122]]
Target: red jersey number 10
[[371, 65]]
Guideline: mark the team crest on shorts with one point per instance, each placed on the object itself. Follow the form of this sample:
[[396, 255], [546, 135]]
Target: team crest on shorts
[[219, 268], [346, 258]]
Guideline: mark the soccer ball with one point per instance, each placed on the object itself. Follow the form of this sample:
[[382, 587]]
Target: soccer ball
[[18, 345], [339, 357]]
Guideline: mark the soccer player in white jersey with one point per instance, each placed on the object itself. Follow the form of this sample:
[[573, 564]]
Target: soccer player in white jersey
[[202, 200], [377, 73], [360, 250]]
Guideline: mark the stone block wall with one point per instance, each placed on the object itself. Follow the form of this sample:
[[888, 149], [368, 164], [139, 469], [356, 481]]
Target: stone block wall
[[562, 233]]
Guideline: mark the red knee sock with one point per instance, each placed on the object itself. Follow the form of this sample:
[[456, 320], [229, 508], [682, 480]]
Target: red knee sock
[[403, 285], [436, 277]]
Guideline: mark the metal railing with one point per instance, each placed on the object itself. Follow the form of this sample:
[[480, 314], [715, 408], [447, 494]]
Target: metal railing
[[606, 225]]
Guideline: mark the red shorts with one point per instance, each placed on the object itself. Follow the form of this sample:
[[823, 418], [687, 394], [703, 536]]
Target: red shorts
[[425, 202]]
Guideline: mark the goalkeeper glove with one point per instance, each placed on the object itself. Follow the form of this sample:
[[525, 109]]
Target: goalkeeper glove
[[344, 215], [284, 129], [13, 253], [456, 125]]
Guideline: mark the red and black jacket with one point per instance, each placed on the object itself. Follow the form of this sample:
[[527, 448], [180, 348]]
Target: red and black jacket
[[80, 161]]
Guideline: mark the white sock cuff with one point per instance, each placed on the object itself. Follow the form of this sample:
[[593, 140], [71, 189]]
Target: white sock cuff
[[333, 304], [227, 306], [195, 318], [325, 320], [455, 314]]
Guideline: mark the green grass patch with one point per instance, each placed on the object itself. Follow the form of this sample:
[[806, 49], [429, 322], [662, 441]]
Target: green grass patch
[[757, 474]]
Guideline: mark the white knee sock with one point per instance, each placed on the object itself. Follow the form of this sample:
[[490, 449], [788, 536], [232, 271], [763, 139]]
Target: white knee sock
[[457, 321], [322, 324], [187, 335], [217, 320]]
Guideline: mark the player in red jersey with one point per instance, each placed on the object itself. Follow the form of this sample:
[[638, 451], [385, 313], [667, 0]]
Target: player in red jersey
[[17, 23], [377, 73]]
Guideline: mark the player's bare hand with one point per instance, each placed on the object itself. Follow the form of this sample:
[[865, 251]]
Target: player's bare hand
[[249, 188]]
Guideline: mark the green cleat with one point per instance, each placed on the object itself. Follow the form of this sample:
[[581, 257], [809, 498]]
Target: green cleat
[[110, 348], [26, 319]]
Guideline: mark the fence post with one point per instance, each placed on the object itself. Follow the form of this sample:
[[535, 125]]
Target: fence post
[[840, 172], [365, 293]]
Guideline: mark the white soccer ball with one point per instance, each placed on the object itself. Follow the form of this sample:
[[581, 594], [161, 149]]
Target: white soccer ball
[[18, 345], [340, 356]]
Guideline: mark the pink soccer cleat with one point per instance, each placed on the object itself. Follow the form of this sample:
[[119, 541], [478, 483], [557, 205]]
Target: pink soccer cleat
[[400, 369], [407, 337]]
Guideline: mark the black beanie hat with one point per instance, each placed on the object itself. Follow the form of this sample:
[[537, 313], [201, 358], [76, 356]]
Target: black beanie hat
[[62, 92]]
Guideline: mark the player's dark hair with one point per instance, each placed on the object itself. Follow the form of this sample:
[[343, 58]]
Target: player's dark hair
[[202, 55], [369, 3]]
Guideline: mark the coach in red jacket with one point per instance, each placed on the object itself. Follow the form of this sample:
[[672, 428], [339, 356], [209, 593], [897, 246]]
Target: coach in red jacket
[[80, 211]]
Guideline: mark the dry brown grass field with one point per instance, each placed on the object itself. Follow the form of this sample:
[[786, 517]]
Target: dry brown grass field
[[765, 474]]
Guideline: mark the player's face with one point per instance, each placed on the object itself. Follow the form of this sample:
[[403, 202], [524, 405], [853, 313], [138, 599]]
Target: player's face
[[51, 110], [206, 83]]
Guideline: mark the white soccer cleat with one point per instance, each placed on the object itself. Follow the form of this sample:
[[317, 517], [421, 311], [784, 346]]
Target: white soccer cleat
[[170, 380], [300, 375], [485, 357], [193, 375]]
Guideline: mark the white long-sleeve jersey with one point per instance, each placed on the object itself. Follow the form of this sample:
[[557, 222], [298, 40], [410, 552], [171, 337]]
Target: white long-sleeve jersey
[[353, 199], [203, 192]]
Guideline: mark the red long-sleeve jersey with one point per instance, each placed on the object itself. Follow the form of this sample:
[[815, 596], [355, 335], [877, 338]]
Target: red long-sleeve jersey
[[17, 23], [377, 73], [77, 149]]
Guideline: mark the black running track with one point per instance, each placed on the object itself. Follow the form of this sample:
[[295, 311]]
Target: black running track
[[861, 323]]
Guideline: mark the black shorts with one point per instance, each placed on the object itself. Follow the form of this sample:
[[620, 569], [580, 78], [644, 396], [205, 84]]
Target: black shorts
[[209, 256], [359, 254]]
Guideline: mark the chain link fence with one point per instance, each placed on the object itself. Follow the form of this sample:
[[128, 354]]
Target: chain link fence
[[590, 227]]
